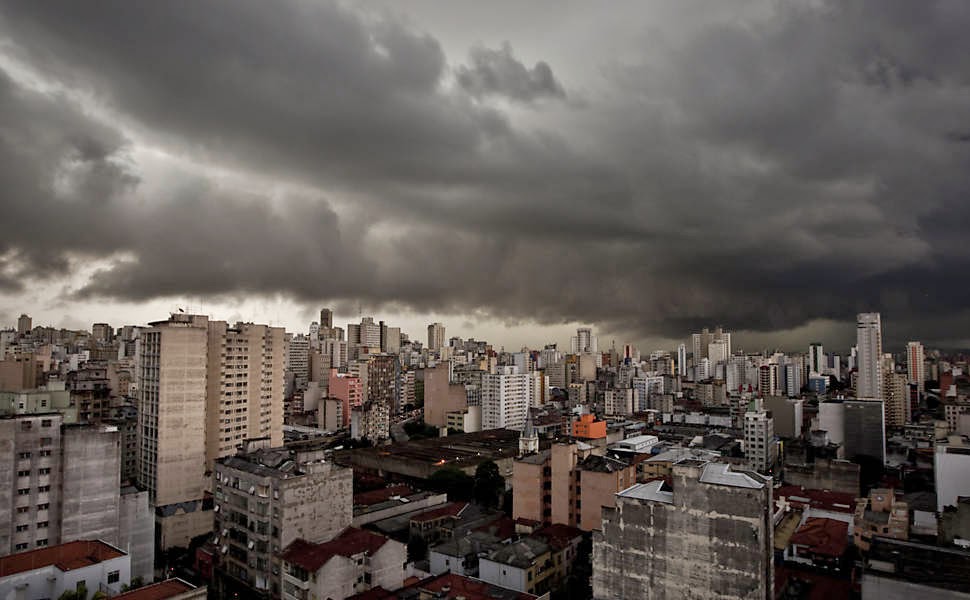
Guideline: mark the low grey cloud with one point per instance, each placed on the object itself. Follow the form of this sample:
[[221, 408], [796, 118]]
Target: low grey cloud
[[765, 174], [498, 73]]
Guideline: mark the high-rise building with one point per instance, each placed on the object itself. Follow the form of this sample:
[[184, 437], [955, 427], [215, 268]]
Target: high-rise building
[[102, 332], [816, 358], [584, 341], [24, 323], [326, 318], [865, 429], [701, 342], [916, 365], [64, 485], [869, 344], [710, 536], [203, 387], [298, 358], [759, 437], [505, 399], [436, 337], [682, 360]]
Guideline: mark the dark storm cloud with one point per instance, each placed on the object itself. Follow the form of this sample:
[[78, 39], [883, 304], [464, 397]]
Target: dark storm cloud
[[498, 72], [761, 175]]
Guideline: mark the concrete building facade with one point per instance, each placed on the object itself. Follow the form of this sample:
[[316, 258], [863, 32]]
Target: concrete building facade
[[267, 498], [711, 536]]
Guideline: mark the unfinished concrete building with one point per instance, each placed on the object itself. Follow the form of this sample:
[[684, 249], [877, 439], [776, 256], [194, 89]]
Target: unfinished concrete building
[[709, 537]]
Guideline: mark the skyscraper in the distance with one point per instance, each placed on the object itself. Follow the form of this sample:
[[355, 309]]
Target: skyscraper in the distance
[[583, 341], [816, 358], [682, 360], [326, 318], [436, 337], [916, 365], [869, 345]]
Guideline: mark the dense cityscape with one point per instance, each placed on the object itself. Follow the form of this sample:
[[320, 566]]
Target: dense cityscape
[[192, 457], [430, 300]]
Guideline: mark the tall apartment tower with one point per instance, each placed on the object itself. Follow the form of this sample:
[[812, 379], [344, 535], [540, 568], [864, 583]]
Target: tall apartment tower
[[682, 360], [701, 342], [816, 358], [505, 399], [326, 318], [869, 355], [204, 387], [711, 536], [24, 323], [436, 337], [759, 437], [916, 365], [584, 341]]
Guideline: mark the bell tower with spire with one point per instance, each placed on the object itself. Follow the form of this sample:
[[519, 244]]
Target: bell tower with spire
[[528, 439]]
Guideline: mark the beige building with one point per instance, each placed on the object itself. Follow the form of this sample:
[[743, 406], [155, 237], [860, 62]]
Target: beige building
[[567, 484], [440, 396], [203, 387]]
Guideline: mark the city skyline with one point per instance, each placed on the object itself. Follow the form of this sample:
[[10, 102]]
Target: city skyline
[[648, 170]]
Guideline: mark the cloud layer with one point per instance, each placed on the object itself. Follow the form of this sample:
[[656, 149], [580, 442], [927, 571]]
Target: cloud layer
[[804, 163]]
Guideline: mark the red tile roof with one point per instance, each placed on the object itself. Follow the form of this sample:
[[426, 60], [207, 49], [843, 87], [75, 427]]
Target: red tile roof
[[826, 537], [559, 536], [350, 542], [503, 528], [820, 499], [452, 509], [452, 585], [66, 557], [157, 591], [382, 495]]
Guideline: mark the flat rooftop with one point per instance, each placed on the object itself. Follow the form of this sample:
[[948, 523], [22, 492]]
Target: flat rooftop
[[66, 557], [923, 564], [653, 491], [157, 591], [721, 474]]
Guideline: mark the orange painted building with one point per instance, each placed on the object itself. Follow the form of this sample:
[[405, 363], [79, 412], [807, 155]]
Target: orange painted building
[[588, 428]]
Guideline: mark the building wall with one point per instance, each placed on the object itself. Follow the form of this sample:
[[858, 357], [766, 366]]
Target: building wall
[[91, 480], [503, 575], [527, 491], [438, 399], [387, 565], [884, 588], [30, 461], [599, 490], [317, 506], [178, 529], [51, 582], [712, 541], [136, 532], [951, 467]]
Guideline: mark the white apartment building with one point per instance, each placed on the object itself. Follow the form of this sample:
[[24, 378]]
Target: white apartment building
[[505, 398], [49, 572], [869, 355], [759, 437]]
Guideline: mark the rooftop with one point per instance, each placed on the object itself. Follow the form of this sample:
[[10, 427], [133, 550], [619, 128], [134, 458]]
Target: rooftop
[[653, 491], [350, 542], [926, 565], [66, 557], [819, 499], [452, 509], [602, 464], [521, 554], [452, 586], [382, 495], [721, 474], [826, 537], [157, 591]]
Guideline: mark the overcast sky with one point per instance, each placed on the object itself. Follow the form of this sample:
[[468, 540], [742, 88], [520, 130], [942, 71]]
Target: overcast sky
[[511, 169]]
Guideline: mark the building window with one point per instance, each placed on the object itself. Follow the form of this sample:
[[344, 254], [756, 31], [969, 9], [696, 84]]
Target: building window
[[114, 576], [43, 506], [23, 492], [44, 488], [23, 455], [45, 423], [45, 452], [23, 473], [22, 528], [23, 509], [26, 425], [41, 543], [45, 441], [20, 547], [44, 471]]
